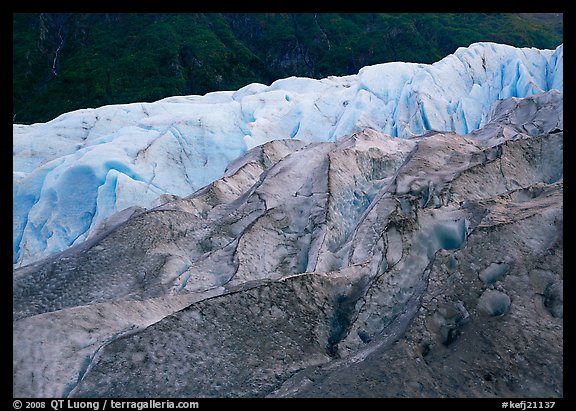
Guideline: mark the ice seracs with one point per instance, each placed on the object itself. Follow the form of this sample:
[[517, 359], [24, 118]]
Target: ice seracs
[[73, 172]]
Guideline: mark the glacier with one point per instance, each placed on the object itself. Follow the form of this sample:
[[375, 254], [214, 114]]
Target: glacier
[[74, 173], [372, 266]]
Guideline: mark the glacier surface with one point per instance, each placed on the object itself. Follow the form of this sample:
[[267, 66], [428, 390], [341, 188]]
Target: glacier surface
[[73, 173], [372, 266]]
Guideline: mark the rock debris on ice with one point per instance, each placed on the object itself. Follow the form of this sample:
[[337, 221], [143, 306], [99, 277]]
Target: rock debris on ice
[[372, 266]]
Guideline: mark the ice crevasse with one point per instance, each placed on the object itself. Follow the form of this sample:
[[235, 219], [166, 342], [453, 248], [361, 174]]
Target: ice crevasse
[[73, 172]]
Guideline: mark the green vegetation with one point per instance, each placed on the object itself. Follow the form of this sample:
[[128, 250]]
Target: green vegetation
[[121, 58]]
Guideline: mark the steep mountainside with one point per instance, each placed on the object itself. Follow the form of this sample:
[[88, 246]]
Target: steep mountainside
[[68, 61], [371, 266]]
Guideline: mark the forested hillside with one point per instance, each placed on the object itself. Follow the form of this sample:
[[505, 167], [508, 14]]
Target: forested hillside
[[67, 61]]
